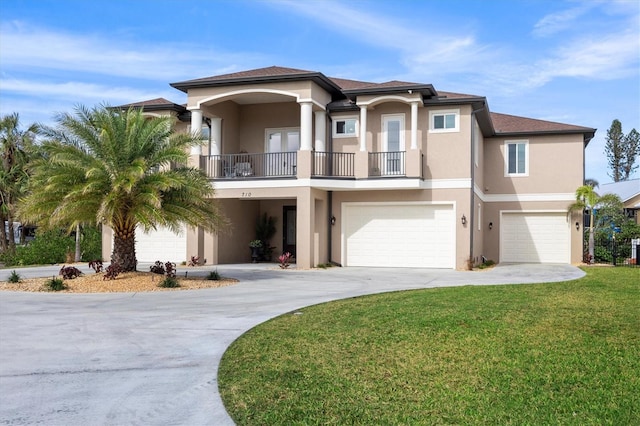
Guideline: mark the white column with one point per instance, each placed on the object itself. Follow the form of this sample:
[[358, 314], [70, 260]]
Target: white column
[[306, 126], [216, 136], [363, 128], [321, 131], [196, 128], [414, 125]]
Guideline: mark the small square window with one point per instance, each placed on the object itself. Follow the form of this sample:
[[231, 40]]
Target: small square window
[[444, 121], [345, 127]]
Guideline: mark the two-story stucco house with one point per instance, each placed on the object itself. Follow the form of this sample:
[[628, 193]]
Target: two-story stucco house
[[390, 174]]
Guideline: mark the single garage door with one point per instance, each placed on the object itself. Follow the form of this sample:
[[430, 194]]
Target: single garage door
[[535, 238], [399, 235], [162, 245]]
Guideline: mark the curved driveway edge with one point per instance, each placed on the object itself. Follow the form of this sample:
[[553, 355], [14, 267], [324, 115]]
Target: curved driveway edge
[[152, 358]]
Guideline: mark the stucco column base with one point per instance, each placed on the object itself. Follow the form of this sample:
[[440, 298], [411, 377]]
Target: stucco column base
[[414, 163], [303, 164], [361, 164]]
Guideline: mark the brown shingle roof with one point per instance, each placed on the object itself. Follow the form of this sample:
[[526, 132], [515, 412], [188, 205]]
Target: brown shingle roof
[[452, 95], [346, 84], [504, 123], [272, 71]]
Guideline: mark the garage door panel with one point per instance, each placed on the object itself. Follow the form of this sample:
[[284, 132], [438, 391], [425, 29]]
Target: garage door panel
[[399, 235], [534, 238], [162, 244]]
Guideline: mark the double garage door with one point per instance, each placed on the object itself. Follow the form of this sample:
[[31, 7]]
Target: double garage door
[[398, 235], [535, 238]]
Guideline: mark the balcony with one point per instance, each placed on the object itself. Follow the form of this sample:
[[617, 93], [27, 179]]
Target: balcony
[[306, 164], [250, 166]]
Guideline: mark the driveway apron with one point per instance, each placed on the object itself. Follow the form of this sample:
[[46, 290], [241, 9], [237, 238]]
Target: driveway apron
[[152, 358]]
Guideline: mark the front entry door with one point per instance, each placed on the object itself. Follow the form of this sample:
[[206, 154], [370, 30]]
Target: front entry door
[[289, 230]]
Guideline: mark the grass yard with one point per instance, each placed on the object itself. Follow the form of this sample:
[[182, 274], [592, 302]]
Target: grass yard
[[561, 353]]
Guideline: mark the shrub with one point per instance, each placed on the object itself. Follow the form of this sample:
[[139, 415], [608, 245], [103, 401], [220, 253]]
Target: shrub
[[96, 265], [47, 247], [214, 276], [157, 268], [195, 261], [112, 272], [285, 260], [169, 282], [170, 269], [69, 272], [91, 243], [55, 284], [14, 277]]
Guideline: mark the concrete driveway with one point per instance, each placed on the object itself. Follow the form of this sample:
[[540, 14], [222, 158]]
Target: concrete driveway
[[152, 358]]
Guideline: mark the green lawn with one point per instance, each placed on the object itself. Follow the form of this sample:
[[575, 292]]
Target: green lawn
[[561, 353]]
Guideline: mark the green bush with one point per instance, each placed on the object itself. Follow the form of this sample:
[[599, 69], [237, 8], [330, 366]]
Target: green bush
[[55, 284], [169, 282], [47, 247], [50, 247], [14, 277], [213, 276], [91, 243]]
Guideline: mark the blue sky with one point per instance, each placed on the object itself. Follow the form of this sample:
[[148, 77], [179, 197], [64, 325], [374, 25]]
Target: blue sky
[[575, 62]]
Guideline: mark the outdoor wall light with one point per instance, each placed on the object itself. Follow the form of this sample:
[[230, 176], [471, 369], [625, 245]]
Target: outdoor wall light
[[577, 226], [333, 220], [463, 219], [490, 225]]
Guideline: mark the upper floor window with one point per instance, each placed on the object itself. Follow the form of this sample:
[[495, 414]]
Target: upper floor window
[[516, 158], [345, 127], [444, 121]]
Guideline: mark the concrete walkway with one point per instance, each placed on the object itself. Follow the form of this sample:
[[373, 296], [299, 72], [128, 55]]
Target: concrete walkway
[[152, 358]]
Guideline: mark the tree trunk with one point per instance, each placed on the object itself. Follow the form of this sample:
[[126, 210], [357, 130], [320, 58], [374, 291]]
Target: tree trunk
[[11, 234], [124, 250], [77, 254], [3, 233], [591, 240]]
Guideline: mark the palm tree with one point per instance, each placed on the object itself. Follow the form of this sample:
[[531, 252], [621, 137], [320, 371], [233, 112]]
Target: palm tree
[[15, 147], [588, 199], [121, 169]]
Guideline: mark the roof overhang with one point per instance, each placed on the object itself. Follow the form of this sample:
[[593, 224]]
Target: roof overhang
[[316, 77]]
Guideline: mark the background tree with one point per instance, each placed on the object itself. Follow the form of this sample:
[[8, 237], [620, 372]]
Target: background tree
[[631, 149], [112, 167], [622, 151], [588, 199], [16, 147]]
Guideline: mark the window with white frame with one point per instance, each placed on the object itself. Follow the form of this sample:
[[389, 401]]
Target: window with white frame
[[345, 127], [516, 158], [444, 121]]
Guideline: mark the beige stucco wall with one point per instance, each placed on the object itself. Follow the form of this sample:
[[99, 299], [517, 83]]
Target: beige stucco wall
[[555, 165], [294, 90], [447, 154]]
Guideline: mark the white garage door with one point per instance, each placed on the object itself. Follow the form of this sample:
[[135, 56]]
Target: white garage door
[[534, 238], [399, 235], [161, 245]]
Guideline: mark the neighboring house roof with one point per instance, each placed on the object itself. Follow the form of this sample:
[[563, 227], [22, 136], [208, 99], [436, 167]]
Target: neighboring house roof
[[626, 190], [507, 125], [157, 104]]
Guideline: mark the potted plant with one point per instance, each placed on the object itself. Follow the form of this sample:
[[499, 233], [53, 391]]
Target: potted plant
[[255, 247]]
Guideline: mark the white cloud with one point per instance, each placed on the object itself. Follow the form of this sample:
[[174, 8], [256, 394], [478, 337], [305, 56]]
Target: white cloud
[[25, 47], [80, 92], [559, 21]]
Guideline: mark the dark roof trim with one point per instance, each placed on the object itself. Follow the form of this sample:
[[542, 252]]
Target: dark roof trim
[[426, 90], [587, 134]]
